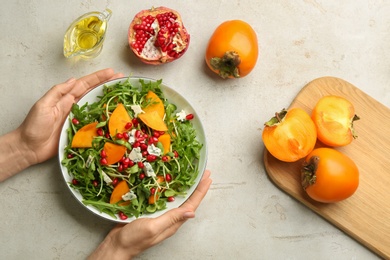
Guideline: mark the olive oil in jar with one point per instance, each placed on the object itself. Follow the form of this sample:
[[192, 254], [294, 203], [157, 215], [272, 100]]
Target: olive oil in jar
[[85, 35]]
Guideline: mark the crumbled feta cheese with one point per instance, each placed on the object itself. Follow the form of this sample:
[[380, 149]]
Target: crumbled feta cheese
[[136, 154], [132, 136], [137, 109], [129, 196], [153, 150], [106, 178], [181, 116], [148, 170]]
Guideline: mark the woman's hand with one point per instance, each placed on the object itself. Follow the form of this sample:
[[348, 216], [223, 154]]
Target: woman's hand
[[127, 241], [36, 139]]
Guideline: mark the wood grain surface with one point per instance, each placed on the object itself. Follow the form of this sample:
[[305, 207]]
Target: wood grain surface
[[366, 215]]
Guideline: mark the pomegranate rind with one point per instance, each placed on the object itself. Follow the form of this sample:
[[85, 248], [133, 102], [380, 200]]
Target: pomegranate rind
[[155, 55]]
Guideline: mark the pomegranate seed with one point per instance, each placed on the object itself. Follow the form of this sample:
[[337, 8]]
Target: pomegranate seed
[[103, 154], [128, 125], [153, 190], [119, 135], [141, 165], [136, 144], [126, 136], [142, 176], [75, 182], [107, 135], [176, 154], [103, 161], [95, 183], [151, 158], [120, 168], [156, 134], [122, 215], [168, 177], [126, 161], [69, 156], [153, 140], [143, 147], [137, 134], [171, 198], [100, 132], [189, 116], [75, 121], [135, 122], [164, 158], [144, 153], [162, 132], [131, 163], [115, 181]]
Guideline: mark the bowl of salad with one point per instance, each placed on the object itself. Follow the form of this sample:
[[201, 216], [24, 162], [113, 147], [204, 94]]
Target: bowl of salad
[[132, 147]]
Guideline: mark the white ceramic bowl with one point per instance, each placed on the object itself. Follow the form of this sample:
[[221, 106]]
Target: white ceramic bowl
[[173, 97]]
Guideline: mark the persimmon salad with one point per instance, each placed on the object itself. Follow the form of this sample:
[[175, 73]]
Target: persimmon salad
[[132, 151]]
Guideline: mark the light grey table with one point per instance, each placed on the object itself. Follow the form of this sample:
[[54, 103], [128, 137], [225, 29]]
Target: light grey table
[[244, 216]]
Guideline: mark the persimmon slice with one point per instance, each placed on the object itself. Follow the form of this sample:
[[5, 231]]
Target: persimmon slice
[[118, 120], [154, 197], [165, 140], [120, 189], [114, 152], [84, 136], [154, 103], [153, 120]]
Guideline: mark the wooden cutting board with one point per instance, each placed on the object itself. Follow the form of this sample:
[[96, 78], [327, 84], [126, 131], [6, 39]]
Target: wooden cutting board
[[366, 215]]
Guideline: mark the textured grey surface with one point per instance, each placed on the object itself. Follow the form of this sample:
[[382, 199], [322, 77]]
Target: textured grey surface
[[244, 216]]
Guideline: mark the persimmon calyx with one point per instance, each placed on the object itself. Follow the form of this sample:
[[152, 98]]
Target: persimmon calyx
[[355, 118], [227, 65], [308, 172], [277, 118]]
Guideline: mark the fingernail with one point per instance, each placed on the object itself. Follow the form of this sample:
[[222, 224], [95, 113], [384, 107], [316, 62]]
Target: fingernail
[[189, 214], [70, 80]]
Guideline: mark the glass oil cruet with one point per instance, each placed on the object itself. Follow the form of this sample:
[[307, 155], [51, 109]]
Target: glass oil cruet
[[85, 36]]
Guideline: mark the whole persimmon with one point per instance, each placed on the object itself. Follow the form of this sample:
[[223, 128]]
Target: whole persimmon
[[232, 50], [329, 176]]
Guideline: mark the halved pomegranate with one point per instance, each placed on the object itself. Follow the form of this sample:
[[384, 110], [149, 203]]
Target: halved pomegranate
[[158, 36]]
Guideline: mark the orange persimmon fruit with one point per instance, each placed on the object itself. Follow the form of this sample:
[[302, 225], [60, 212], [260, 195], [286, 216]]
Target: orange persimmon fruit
[[84, 136], [154, 197], [154, 103], [153, 120], [329, 176], [165, 140], [290, 135], [232, 50], [120, 189], [334, 117], [118, 120], [114, 152]]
